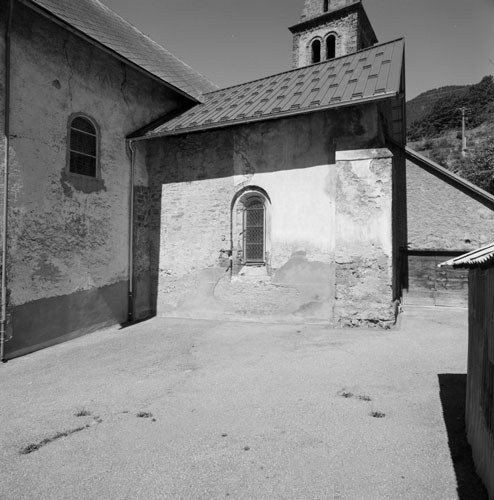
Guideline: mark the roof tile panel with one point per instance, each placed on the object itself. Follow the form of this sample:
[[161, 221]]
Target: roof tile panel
[[351, 79]]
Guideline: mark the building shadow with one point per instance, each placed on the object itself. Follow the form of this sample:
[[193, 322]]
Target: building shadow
[[453, 396]]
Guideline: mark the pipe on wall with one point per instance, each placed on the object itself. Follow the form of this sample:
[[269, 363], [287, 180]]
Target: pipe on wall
[[3, 313], [130, 315]]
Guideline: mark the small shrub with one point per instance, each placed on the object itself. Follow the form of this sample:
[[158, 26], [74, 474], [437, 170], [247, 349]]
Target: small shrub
[[144, 414], [377, 414]]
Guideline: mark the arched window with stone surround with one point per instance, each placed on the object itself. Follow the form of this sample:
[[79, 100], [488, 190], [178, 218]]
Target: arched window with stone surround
[[254, 231], [315, 51], [83, 145], [331, 47], [250, 227]]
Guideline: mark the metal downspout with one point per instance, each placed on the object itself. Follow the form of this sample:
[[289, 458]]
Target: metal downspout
[[130, 316], [3, 313]]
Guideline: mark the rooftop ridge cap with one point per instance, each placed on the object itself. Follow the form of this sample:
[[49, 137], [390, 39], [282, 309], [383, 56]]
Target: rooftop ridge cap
[[293, 70]]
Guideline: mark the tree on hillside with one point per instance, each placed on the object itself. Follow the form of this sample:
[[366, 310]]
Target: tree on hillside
[[478, 167], [444, 115]]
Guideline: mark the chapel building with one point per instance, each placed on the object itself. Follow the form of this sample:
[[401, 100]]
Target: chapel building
[[132, 186]]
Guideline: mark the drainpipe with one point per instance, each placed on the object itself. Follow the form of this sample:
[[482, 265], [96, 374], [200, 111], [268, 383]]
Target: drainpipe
[[3, 313], [130, 316]]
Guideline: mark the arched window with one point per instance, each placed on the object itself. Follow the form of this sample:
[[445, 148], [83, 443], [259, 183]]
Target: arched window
[[331, 47], [315, 52], [254, 230], [83, 146], [326, 5]]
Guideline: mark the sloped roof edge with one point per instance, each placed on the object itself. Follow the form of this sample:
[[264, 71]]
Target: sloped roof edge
[[96, 23], [368, 75], [423, 161], [478, 257]]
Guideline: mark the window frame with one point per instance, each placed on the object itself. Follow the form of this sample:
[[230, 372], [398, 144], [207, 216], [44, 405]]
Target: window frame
[[97, 135], [312, 52], [251, 200], [326, 42]]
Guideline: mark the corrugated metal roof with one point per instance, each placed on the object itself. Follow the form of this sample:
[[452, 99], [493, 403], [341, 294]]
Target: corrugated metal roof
[[365, 75], [474, 258], [98, 22]]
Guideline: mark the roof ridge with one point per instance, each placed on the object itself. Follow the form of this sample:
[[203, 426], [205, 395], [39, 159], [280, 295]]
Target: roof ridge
[[293, 70]]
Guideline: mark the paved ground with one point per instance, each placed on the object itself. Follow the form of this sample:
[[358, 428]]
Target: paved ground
[[235, 410]]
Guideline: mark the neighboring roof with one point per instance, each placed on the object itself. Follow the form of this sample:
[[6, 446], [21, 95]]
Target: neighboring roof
[[95, 20], [363, 76], [428, 164], [482, 256]]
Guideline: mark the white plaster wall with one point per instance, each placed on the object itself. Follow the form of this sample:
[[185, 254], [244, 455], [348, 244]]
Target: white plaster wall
[[302, 212], [64, 239]]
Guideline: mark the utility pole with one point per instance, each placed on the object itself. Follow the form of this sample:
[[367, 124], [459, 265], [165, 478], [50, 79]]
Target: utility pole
[[463, 135]]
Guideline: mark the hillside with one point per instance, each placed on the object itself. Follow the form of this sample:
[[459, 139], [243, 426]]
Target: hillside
[[437, 131], [418, 107]]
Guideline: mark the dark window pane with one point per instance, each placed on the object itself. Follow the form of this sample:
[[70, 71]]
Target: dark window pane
[[80, 123], [331, 47], [82, 164], [82, 143], [254, 232], [316, 51]]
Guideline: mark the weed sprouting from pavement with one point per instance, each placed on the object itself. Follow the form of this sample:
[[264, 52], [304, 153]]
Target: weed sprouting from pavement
[[82, 413], [36, 446], [377, 414], [364, 397], [144, 414], [345, 394]]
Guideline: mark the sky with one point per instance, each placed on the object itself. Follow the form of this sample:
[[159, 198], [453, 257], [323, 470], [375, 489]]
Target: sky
[[448, 42]]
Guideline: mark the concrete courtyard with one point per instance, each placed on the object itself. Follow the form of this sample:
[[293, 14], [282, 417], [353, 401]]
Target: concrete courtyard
[[182, 409]]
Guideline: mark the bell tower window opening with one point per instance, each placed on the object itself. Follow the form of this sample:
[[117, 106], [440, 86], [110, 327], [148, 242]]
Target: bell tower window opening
[[315, 52], [254, 231], [326, 5], [331, 47]]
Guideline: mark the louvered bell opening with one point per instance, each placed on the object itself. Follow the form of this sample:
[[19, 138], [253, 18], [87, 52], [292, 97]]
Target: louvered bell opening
[[254, 233]]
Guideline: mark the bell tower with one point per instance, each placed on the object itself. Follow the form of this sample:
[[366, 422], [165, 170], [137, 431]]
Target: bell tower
[[329, 29]]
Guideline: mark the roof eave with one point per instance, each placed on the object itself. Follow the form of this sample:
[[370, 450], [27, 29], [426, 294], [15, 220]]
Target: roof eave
[[424, 161], [54, 18], [215, 126]]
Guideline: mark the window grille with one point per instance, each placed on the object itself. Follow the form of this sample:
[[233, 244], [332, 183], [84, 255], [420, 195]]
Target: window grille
[[83, 147], [254, 219]]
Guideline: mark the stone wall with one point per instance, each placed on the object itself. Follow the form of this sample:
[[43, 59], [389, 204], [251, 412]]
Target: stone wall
[[329, 205], [68, 254], [442, 216], [346, 28], [314, 8]]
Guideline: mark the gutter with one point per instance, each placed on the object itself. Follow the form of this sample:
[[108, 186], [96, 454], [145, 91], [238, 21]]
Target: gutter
[[3, 313]]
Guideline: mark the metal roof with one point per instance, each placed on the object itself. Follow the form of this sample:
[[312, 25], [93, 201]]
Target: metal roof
[[366, 75], [482, 256], [98, 22]]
